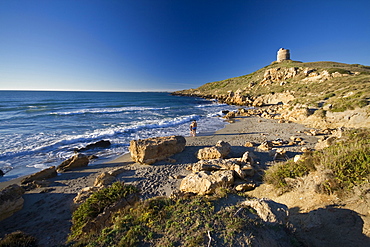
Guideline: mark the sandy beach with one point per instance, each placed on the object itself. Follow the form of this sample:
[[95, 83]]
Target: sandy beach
[[47, 211]]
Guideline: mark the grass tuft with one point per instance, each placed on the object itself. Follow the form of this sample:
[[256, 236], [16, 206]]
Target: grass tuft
[[348, 160]]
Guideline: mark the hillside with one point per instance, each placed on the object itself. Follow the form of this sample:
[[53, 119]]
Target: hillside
[[338, 85]]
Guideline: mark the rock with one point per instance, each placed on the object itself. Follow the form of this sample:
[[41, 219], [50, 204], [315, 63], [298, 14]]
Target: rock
[[278, 154], [1, 173], [11, 200], [41, 175], [117, 171], [204, 183], [325, 143], [247, 158], [258, 102], [205, 165], [76, 161], [84, 194], [221, 150], [297, 158], [151, 150], [269, 211], [99, 144], [245, 187], [265, 146], [249, 144], [104, 179], [230, 114]]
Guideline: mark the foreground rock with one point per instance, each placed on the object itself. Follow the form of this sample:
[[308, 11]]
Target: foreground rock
[[220, 150], [151, 150], [41, 175], [76, 161], [11, 200], [203, 183], [269, 211], [208, 175]]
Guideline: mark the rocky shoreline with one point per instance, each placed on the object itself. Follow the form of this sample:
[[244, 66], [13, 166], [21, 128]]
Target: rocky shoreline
[[47, 209]]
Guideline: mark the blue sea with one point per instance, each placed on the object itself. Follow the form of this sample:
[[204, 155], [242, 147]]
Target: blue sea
[[39, 129]]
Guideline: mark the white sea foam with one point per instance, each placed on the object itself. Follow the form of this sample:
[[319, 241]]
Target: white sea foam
[[106, 110], [42, 140]]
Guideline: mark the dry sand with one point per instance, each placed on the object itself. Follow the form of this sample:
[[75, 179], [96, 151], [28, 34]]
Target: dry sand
[[47, 211]]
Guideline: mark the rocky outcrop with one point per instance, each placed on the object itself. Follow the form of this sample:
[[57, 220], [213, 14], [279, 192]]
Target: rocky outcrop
[[11, 200], [220, 150], [279, 75], [151, 150], [210, 174], [41, 175], [268, 210], [76, 161]]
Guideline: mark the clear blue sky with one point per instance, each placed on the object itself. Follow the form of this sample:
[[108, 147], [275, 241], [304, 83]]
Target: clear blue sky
[[139, 45]]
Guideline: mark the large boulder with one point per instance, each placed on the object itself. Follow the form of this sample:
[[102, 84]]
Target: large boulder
[[219, 151], [204, 183], [268, 210], [76, 161], [41, 175], [11, 200], [151, 150]]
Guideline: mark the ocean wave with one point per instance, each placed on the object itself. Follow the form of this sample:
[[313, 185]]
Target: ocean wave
[[38, 144], [106, 110]]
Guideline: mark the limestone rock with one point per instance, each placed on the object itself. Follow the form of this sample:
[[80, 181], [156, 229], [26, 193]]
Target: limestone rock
[[221, 150], [41, 175], [203, 183], [245, 187], [151, 150], [265, 146], [76, 161], [269, 211], [248, 158], [104, 179], [11, 200]]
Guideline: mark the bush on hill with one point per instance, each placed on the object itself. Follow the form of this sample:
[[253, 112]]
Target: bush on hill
[[348, 160]]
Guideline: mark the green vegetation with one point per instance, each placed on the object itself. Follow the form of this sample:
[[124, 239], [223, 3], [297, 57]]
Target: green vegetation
[[95, 205], [18, 239], [163, 221], [348, 160]]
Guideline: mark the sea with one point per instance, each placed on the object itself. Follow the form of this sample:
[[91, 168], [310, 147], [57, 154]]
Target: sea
[[39, 129]]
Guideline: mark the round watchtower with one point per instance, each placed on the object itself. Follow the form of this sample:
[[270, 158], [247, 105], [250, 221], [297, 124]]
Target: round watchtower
[[283, 54]]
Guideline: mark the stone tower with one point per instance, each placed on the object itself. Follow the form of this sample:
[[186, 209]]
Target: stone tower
[[283, 54]]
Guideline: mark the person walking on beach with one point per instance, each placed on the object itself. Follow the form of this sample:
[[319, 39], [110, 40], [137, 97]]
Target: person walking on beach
[[193, 128]]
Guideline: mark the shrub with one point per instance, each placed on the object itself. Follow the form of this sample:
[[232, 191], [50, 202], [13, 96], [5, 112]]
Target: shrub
[[18, 239], [164, 221], [348, 159], [96, 203]]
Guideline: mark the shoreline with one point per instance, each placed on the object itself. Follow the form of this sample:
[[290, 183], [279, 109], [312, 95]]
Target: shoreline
[[47, 210]]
